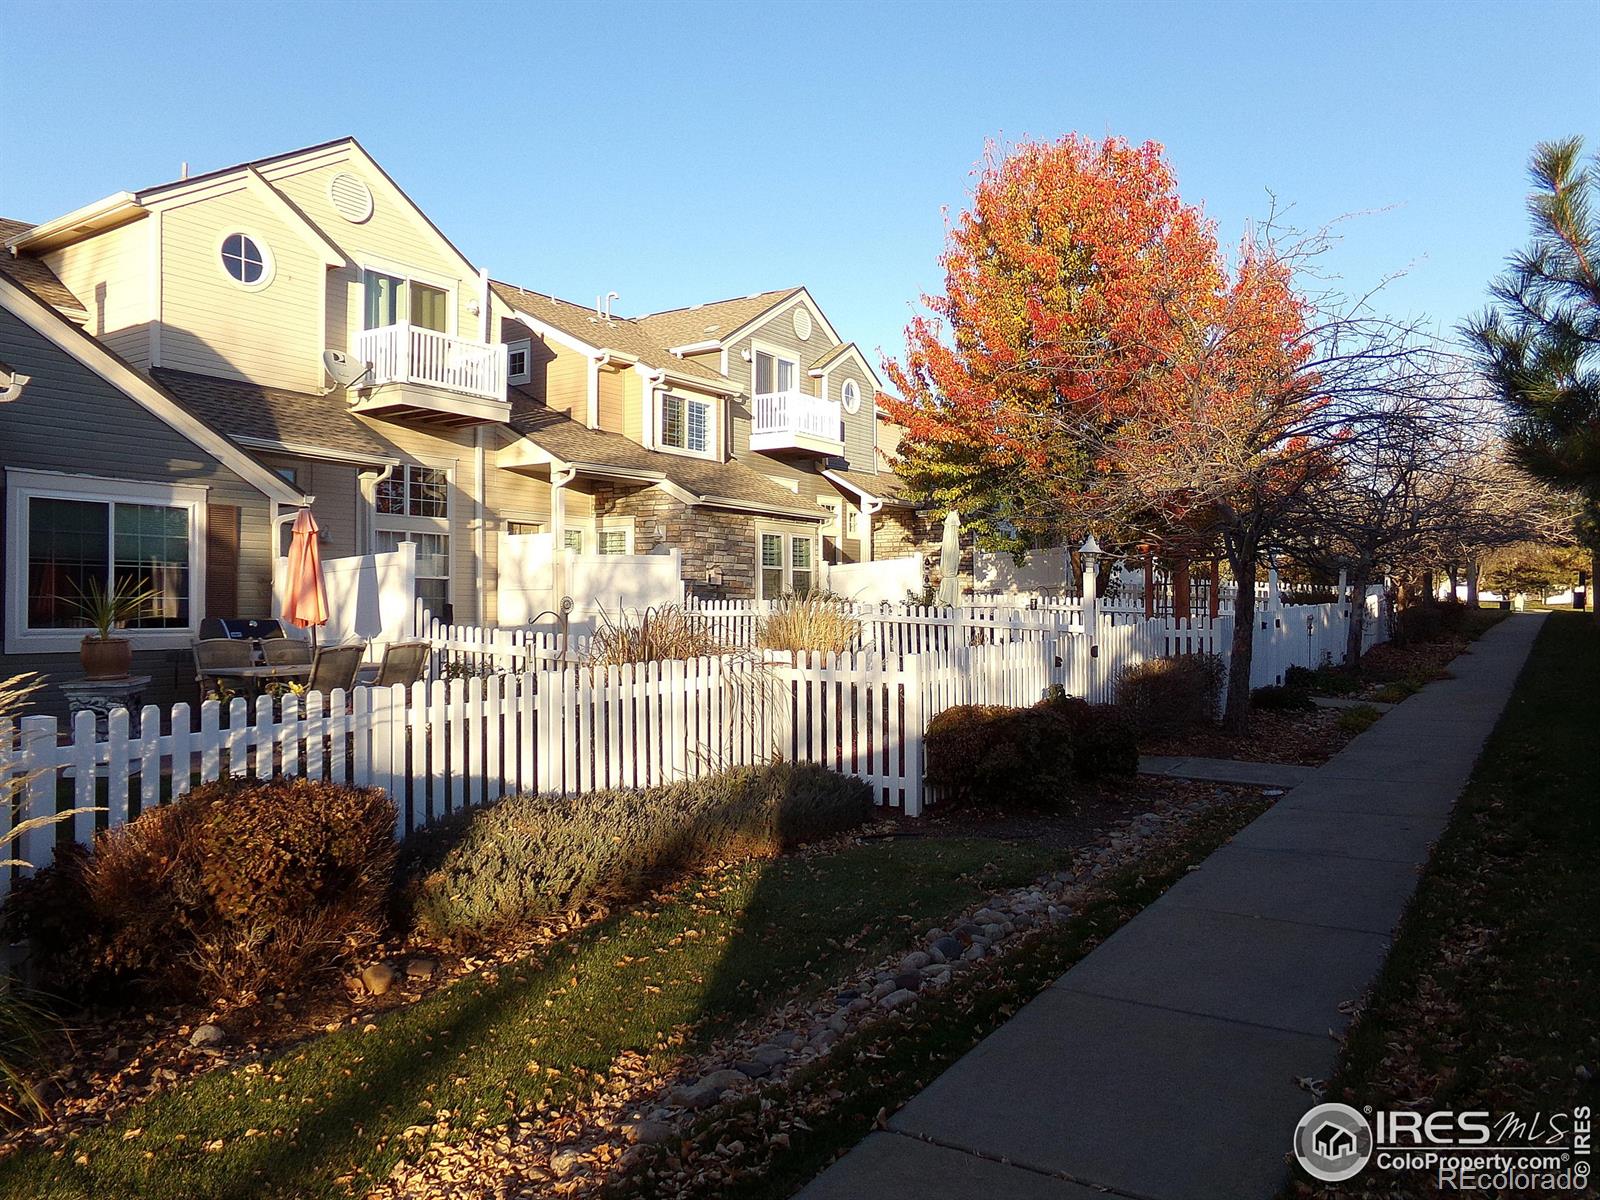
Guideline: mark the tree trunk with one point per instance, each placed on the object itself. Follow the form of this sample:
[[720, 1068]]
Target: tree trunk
[[1594, 582], [1359, 580], [1472, 583], [1236, 712]]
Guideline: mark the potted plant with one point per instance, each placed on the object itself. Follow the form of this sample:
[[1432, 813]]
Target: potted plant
[[108, 609]]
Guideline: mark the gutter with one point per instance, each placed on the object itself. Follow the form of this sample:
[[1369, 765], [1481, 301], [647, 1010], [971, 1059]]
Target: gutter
[[317, 452]]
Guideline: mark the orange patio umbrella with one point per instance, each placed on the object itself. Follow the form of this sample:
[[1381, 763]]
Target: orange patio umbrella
[[305, 600]]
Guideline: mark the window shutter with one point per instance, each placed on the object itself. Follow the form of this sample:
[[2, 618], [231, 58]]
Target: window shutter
[[222, 560]]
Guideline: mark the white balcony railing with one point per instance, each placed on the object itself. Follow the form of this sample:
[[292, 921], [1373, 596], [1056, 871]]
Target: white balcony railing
[[785, 420], [411, 354]]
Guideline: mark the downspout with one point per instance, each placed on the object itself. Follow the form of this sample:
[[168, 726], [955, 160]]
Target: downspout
[[369, 497], [559, 478], [479, 548], [596, 362], [871, 506], [647, 425]]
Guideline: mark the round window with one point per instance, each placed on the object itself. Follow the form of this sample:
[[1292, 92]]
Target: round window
[[851, 395], [245, 260]]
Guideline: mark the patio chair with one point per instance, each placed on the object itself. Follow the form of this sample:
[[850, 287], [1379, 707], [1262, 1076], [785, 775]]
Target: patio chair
[[335, 667], [211, 654], [403, 662], [286, 652]]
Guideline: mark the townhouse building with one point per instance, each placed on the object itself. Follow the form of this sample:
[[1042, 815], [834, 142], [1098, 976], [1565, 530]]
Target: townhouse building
[[305, 311]]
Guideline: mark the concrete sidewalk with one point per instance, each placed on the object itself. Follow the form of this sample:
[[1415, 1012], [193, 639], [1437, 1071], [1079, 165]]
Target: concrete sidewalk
[[1162, 1066]]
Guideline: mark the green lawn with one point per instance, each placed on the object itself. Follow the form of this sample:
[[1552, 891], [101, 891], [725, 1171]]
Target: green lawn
[[1488, 1000], [330, 1116]]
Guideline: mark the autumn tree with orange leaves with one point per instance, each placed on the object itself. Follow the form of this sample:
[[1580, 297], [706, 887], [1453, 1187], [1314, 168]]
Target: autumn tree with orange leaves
[[1096, 363]]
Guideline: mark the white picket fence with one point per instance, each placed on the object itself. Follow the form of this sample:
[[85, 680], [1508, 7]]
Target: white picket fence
[[519, 714]]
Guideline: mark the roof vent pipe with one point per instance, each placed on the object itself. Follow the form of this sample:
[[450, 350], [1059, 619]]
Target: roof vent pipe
[[610, 296]]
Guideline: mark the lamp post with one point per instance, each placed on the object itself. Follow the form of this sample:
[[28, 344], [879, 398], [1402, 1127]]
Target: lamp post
[[1091, 552]]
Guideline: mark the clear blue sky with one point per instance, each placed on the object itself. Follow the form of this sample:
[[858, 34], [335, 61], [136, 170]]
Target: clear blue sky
[[678, 152]]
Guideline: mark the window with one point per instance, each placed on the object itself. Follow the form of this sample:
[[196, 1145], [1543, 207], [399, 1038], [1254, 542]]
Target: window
[[774, 373], [519, 361], [613, 541], [390, 299], [850, 396], [573, 540], [787, 565], [430, 307], [415, 491], [413, 505], [851, 520], [433, 563], [290, 475], [771, 566], [66, 535], [686, 423], [800, 566], [245, 260], [383, 297], [519, 528]]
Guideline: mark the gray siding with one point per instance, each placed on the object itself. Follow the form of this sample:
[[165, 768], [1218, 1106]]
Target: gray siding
[[778, 331], [69, 419]]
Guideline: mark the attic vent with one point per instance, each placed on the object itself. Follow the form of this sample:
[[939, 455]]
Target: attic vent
[[351, 197], [802, 323]]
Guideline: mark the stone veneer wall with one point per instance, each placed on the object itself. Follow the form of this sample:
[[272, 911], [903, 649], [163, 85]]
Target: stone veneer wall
[[897, 532], [707, 537]]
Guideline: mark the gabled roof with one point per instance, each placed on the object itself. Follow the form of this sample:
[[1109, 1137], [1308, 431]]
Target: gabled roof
[[33, 274], [618, 334], [141, 389], [722, 484], [126, 206], [713, 321], [885, 486], [267, 418]]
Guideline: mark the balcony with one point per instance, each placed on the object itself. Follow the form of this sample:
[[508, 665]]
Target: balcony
[[795, 421], [420, 372]]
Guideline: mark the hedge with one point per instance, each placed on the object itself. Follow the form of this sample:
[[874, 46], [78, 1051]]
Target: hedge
[[532, 856]]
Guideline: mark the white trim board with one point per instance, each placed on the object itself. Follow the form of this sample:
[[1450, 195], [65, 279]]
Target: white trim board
[[22, 484], [66, 336]]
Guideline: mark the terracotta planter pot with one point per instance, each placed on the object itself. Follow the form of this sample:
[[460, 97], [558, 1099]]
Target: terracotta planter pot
[[106, 658]]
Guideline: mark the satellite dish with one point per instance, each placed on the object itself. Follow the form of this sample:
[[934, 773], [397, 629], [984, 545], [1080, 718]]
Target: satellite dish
[[345, 371]]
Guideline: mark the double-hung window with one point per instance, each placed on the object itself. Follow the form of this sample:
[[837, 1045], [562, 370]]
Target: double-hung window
[[788, 565], [686, 423], [413, 505], [68, 536]]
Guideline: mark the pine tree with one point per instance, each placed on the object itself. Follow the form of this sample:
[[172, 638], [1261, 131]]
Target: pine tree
[[1539, 345]]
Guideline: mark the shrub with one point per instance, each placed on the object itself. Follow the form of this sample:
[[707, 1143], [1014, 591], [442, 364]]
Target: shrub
[[1103, 740], [1430, 622], [1171, 695], [998, 757], [813, 622], [661, 634], [531, 856], [236, 887], [1280, 699]]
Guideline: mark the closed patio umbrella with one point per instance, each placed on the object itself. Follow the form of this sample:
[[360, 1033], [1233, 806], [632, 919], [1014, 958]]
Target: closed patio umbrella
[[950, 559], [305, 600]]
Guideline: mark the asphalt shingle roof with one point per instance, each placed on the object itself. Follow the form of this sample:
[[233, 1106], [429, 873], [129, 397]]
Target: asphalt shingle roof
[[248, 410], [619, 333], [705, 322], [885, 485], [571, 441], [33, 274]]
